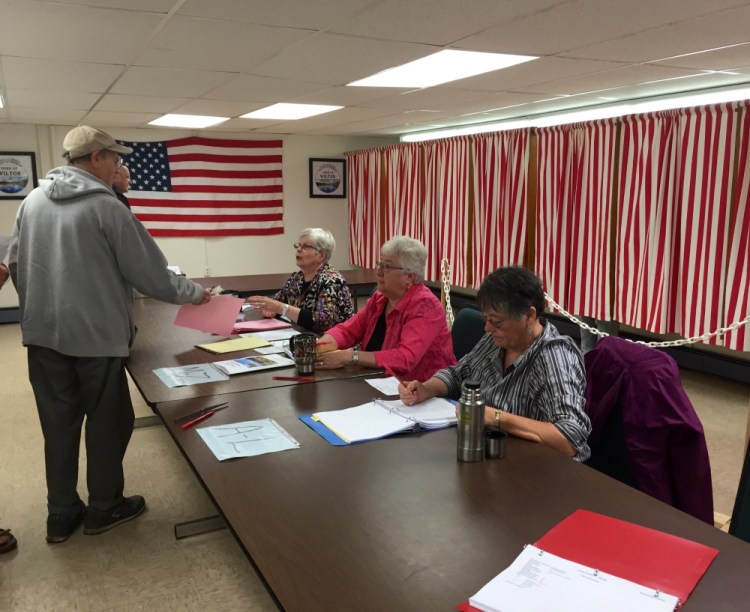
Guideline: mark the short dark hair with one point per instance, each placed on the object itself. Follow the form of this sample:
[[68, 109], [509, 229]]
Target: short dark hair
[[511, 290]]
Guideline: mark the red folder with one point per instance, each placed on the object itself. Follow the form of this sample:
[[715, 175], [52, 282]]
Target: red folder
[[645, 556]]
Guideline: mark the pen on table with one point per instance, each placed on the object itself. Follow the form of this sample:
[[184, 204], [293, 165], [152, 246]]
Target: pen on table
[[203, 417], [295, 378]]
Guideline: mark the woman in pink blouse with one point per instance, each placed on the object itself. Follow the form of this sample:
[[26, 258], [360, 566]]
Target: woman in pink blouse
[[402, 327]]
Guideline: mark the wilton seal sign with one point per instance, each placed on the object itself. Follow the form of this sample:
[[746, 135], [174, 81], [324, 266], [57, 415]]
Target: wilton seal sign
[[327, 178], [17, 177]]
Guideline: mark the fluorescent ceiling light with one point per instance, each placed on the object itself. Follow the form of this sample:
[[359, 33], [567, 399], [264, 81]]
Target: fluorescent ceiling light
[[599, 112], [1, 100], [188, 121], [442, 67], [288, 111]]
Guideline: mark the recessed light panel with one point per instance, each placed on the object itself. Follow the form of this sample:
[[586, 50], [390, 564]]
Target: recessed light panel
[[286, 111], [442, 67], [188, 121]]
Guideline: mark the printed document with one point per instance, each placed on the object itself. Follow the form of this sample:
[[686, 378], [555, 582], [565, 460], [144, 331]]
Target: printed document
[[539, 580]]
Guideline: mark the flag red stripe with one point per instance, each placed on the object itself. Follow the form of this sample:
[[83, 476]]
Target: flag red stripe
[[182, 218], [226, 143], [235, 174], [136, 201], [227, 189], [224, 159], [262, 231]]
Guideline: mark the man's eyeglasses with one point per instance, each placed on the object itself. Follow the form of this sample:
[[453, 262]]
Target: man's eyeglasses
[[118, 162], [380, 266], [303, 247], [493, 322]]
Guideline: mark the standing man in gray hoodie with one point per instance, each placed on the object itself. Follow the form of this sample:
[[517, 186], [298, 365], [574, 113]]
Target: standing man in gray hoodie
[[75, 255]]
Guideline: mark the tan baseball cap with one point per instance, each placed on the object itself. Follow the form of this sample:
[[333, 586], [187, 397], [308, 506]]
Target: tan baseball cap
[[85, 139]]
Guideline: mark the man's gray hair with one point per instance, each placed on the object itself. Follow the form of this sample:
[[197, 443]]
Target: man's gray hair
[[411, 254], [321, 239]]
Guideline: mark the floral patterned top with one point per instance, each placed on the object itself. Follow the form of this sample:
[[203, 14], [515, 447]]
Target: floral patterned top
[[323, 303]]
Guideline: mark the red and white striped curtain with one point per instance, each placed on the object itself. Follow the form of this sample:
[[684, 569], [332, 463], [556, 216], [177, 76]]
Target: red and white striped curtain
[[446, 206], [675, 188], [403, 191], [364, 174], [737, 294], [500, 163], [575, 165]]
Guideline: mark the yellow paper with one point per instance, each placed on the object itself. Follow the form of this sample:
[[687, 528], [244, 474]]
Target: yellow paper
[[237, 344]]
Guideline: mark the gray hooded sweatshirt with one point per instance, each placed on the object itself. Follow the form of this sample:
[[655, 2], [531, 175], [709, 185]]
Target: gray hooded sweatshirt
[[75, 256]]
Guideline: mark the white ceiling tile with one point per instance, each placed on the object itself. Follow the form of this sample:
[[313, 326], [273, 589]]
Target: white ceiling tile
[[70, 100], [45, 116], [627, 75], [718, 29], [138, 104], [724, 58], [71, 32], [105, 118], [317, 15], [537, 71], [337, 60], [344, 96], [165, 82], [154, 6], [224, 45], [28, 73], [261, 89], [434, 22]]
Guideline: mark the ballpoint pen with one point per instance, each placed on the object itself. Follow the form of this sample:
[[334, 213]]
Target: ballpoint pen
[[295, 378], [202, 417], [193, 415]]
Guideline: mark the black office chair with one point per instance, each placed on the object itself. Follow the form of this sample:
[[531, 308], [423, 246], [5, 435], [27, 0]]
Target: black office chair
[[468, 329], [740, 523]]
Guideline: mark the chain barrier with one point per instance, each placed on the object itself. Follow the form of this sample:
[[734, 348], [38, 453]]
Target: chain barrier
[[445, 269], [667, 343]]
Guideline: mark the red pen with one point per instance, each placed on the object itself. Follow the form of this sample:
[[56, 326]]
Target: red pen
[[295, 378], [203, 417]]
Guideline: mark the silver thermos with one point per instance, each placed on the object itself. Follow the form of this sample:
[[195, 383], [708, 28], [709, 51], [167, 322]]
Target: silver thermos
[[470, 423]]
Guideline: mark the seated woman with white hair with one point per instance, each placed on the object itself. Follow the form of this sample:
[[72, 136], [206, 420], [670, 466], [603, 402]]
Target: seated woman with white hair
[[402, 327], [317, 297]]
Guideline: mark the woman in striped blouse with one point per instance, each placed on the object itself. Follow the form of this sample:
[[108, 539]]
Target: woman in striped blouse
[[532, 378]]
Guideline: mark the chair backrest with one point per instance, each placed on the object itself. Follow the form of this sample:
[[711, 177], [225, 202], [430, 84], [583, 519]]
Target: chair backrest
[[740, 523], [467, 330], [636, 403]]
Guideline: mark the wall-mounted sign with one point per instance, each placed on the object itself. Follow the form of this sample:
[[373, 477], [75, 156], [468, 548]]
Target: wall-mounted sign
[[17, 175]]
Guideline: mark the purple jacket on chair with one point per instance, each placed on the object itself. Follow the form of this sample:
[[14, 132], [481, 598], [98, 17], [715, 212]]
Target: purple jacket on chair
[[663, 436]]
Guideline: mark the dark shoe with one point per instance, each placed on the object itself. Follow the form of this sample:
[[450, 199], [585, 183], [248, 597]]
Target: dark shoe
[[99, 521], [61, 526], [7, 541]]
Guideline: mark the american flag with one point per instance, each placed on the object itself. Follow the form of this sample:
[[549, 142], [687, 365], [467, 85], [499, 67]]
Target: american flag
[[207, 187]]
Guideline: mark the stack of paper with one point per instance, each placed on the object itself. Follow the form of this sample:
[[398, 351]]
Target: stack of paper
[[538, 580], [245, 343], [252, 364]]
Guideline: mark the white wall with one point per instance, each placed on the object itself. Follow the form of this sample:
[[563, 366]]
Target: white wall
[[216, 256]]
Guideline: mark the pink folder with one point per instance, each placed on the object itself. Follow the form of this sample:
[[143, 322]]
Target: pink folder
[[217, 317], [260, 325]]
